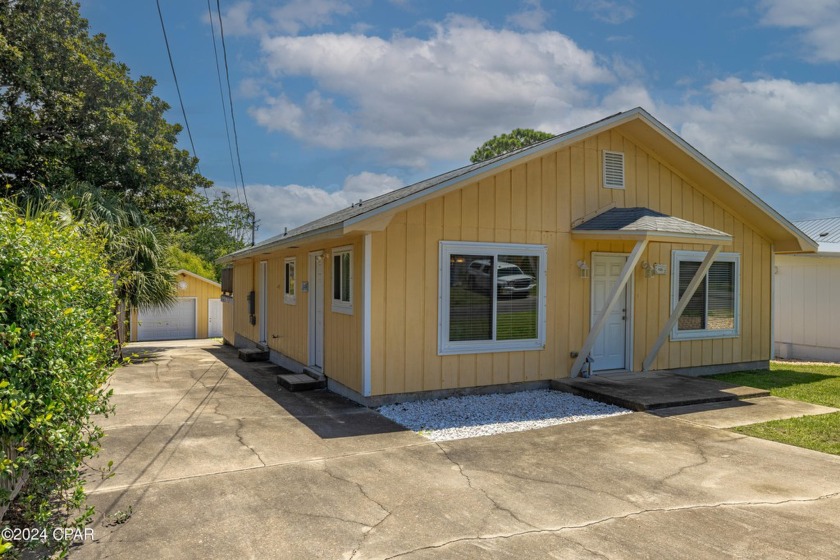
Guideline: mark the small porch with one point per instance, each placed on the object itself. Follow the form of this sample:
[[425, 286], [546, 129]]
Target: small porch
[[614, 305], [655, 390]]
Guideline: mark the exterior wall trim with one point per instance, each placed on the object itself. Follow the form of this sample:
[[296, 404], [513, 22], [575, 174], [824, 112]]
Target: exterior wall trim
[[366, 312]]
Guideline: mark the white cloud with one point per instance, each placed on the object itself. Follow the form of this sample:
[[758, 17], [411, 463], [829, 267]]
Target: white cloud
[[240, 19], [430, 98], [289, 206], [532, 17], [608, 11], [819, 21], [776, 136], [298, 14]]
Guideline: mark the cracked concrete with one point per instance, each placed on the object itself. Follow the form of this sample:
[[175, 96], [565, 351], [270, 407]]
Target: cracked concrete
[[217, 462]]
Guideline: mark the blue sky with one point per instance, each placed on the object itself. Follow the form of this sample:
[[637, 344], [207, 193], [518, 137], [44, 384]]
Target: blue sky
[[338, 100]]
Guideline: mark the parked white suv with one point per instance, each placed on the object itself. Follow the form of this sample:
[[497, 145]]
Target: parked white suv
[[510, 280]]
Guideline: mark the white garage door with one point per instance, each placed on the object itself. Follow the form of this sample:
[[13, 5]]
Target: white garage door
[[173, 323]]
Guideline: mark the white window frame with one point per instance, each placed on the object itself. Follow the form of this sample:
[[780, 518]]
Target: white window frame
[[447, 249], [290, 295], [339, 305], [698, 256]]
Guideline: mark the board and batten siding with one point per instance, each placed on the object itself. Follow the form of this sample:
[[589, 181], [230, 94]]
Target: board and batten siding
[[535, 202], [243, 283], [228, 330], [807, 307], [288, 324]]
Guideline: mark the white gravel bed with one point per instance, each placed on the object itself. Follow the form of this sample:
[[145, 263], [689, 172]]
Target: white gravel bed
[[484, 415]]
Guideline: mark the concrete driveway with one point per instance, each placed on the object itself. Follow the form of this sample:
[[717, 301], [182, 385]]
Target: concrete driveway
[[215, 461]]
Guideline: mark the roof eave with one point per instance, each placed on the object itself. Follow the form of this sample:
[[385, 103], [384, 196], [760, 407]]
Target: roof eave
[[560, 140], [198, 277], [806, 244], [654, 236], [260, 249]]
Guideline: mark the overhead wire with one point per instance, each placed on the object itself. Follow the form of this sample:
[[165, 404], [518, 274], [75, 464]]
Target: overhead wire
[[224, 109], [230, 99], [178, 90]]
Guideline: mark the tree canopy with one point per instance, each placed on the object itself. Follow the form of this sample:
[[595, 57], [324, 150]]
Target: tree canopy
[[504, 143], [77, 131], [72, 114]]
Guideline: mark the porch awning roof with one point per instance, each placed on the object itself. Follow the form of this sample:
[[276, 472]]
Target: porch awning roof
[[644, 223]]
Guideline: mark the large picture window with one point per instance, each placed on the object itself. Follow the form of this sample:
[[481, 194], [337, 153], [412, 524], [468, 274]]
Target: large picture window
[[712, 312], [342, 280], [492, 297]]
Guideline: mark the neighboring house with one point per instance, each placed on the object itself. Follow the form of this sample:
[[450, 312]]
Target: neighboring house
[[807, 299], [609, 224], [196, 312]]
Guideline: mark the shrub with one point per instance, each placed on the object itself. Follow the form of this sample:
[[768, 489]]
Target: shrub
[[56, 346]]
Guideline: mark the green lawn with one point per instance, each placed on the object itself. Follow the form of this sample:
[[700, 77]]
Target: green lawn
[[818, 384]]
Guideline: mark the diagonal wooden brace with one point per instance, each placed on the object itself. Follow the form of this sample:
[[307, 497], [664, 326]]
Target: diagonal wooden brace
[[681, 305], [612, 299]]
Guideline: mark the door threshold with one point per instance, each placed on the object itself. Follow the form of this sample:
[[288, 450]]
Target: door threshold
[[612, 373]]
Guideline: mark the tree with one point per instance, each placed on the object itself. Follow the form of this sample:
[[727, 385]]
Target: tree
[[224, 227], [56, 314], [514, 140], [180, 259], [136, 251], [70, 113]]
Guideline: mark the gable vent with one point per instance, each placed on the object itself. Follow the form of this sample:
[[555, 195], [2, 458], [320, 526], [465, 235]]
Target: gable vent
[[613, 170]]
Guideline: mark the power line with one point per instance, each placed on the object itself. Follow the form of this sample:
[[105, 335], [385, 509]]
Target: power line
[[178, 89], [230, 99], [222, 97]]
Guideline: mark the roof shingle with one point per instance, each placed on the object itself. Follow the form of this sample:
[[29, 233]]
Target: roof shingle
[[645, 220]]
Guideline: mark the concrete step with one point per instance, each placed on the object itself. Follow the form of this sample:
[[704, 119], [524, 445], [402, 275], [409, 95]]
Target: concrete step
[[253, 355], [299, 382]]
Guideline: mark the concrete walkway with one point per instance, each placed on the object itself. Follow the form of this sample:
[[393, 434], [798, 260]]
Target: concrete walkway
[[214, 461]]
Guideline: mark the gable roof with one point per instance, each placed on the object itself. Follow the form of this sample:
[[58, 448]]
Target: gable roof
[[638, 123], [637, 223], [825, 231], [197, 277]]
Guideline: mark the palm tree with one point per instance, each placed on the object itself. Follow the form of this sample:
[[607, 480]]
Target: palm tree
[[137, 251]]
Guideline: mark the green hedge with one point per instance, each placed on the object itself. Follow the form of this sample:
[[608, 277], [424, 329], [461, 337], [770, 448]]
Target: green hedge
[[56, 347]]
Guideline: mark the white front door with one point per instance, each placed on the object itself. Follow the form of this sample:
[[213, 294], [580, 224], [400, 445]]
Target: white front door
[[214, 318], [316, 309], [610, 349], [263, 295]]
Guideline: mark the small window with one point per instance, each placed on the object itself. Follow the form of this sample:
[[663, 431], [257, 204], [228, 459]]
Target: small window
[[613, 170], [227, 281], [342, 275], [713, 310], [289, 281], [492, 297]]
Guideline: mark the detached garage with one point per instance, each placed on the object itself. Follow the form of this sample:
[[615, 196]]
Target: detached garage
[[196, 313]]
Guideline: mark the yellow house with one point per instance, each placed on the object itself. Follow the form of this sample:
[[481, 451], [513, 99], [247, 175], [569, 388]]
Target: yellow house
[[195, 313], [613, 247]]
